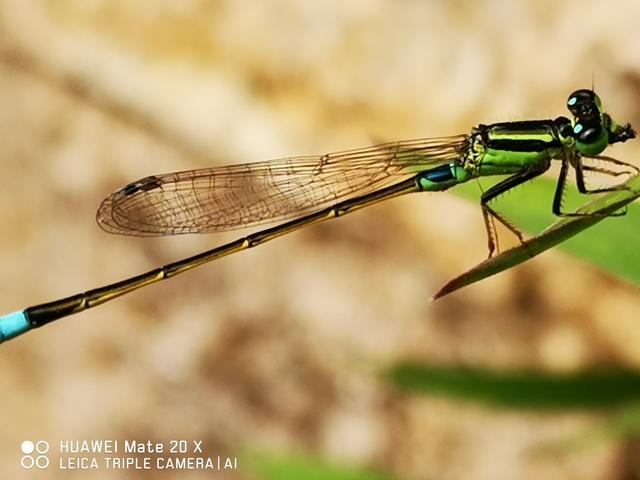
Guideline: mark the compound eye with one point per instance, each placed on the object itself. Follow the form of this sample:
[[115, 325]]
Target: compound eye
[[583, 104], [581, 96], [587, 134]]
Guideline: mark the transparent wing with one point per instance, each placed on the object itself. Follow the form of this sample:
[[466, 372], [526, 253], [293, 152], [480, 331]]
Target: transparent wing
[[238, 196]]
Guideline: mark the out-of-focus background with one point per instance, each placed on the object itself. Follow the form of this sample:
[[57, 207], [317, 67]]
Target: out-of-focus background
[[278, 350]]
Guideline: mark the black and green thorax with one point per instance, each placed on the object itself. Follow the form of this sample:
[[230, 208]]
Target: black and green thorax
[[510, 147]]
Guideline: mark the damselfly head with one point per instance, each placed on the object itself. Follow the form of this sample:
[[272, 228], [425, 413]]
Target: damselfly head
[[593, 129], [584, 104]]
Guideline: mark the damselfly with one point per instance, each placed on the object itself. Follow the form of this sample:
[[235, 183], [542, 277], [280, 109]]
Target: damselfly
[[303, 191]]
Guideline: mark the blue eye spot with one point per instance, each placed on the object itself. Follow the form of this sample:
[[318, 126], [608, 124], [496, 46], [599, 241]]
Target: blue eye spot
[[572, 101], [577, 128]]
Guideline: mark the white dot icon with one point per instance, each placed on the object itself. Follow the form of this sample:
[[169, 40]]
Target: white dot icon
[[27, 447]]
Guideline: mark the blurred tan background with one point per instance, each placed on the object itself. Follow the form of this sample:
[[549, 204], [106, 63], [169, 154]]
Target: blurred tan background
[[276, 348]]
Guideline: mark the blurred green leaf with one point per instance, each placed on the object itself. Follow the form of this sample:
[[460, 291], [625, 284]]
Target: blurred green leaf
[[295, 467], [521, 389], [604, 244], [623, 425]]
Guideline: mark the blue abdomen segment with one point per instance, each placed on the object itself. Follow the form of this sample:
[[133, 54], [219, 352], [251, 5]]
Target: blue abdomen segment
[[13, 324], [439, 178]]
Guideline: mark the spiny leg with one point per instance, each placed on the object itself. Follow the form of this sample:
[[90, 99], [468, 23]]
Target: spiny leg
[[617, 162], [556, 207], [562, 183], [580, 168], [610, 173], [632, 170], [604, 171], [498, 189]]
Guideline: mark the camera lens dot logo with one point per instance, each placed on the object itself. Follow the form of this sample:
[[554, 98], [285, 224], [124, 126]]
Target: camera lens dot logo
[[27, 447], [42, 447], [28, 461]]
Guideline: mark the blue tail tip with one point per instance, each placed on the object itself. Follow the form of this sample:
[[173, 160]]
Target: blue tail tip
[[12, 325]]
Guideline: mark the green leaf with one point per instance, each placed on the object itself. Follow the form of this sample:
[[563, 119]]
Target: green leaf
[[623, 425], [607, 245], [295, 467], [521, 389]]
